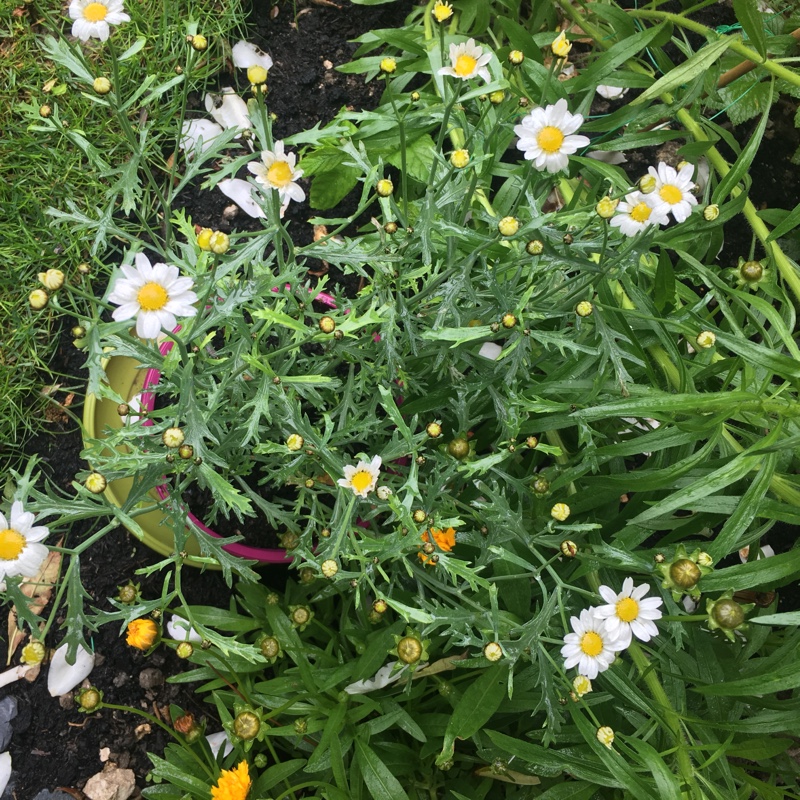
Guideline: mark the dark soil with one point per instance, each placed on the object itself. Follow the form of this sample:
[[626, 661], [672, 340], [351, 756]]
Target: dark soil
[[53, 746]]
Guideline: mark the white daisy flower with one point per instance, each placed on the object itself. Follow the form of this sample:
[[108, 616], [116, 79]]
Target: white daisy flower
[[673, 190], [467, 60], [155, 295], [630, 613], [20, 553], [546, 136], [591, 646], [363, 477], [277, 170], [636, 212], [246, 55], [228, 109], [92, 19]]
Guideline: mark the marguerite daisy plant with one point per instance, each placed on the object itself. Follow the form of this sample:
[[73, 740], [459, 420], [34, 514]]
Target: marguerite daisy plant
[[629, 613], [467, 60], [591, 646], [20, 551], [92, 19], [154, 294], [547, 136], [673, 192], [637, 212], [363, 477], [277, 170]]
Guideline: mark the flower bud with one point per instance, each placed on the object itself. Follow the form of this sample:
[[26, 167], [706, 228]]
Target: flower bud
[[433, 429], [101, 85], [388, 65], [419, 516], [295, 442], [38, 299], [45, 111], [219, 242], [509, 320], [300, 616], [647, 184], [584, 308], [300, 727], [706, 339], [605, 735], [710, 213], [492, 651], [128, 594], [606, 207], [409, 649], [89, 699], [142, 633], [534, 247], [84, 268], [186, 451], [497, 97], [704, 560], [581, 685], [270, 647], [541, 486], [415, 97], [384, 187], [685, 573], [327, 324], [458, 448], [459, 158], [173, 437], [560, 512], [52, 280], [95, 483], [508, 226], [561, 46], [380, 606], [442, 11], [33, 652], [751, 271], [204, 239], [568, 548], [199, 43], [727, 613], [516, 57], [383, 492], [390, 228], [329, 568], [184, 723], [256, 75], [532, 442], [184, 650], [78, 331], [246, 725]]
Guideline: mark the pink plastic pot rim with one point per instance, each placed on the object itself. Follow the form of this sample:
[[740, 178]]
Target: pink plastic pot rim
[[265, 555]]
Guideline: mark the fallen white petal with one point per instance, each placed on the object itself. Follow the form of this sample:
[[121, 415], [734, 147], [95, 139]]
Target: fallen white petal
[[180, 630], [383, 677], [228, 109], [215, 741], [490, 350], [246, 55], [689, 604], [64, 677], [608, 156], [611, 92], [241, 192], [198, 134], [5, 770]]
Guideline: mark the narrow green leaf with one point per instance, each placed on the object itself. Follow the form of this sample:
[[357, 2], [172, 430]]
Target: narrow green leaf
[[765, 571], [759, 749], [474, 709], [690, 69], [752, 23], [664, 285], [785, 618], [789, 223], [380, 782], [786, 677]]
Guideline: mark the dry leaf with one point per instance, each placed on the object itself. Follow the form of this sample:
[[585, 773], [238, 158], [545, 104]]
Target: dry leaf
[[442, 665], [509, 776]]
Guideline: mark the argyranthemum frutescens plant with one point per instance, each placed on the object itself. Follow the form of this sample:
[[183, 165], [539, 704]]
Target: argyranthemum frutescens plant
[[544, 401]]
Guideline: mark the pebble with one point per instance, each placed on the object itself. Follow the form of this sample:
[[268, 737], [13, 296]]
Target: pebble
[[111, 784], [120, 679], [150, 678], [45, 794], [8, 710]]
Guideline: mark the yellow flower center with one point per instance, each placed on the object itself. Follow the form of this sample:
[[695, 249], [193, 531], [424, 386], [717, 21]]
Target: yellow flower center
[[152, 296], [465, 66], [279, 174], [641, 212], [12, 543], [442, 11], [361, 480], [550, 139], [627, 609], [95, 12], [670, 193], [591, 644]]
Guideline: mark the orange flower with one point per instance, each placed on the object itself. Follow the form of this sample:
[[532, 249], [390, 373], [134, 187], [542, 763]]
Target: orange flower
[[445, 540], [142, 633], [233, 784]]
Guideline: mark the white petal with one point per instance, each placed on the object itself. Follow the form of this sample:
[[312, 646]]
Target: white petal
[[180, 630], [247, 55], [215, 741], [490, 350], [64, 677], [241, 192], [148, 325]]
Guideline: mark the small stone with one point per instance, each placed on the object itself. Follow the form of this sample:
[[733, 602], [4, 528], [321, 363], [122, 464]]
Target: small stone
[[66, 701], [111, 784], [150, 678], [120, 679], [105, 754], [229, 212], [8, 710], [46, 794]]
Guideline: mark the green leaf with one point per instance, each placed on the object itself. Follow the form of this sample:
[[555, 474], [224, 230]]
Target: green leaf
[[320, 758], [785, 618], [330, 188], [786, 677], [419, 158], [759, 749], [789, 223], [475, 708], [751, 20], [763, 572], [664, 286], [380, 782], [690, 69]]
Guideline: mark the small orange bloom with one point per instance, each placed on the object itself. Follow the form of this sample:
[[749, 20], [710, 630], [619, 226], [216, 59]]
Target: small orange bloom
[[142, 633], [445, 540], [233, 784]]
